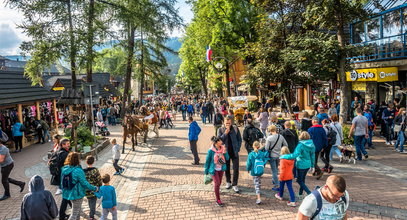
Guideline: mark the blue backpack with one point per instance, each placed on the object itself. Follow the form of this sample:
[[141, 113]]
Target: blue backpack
[[319, 201], [258, 168]]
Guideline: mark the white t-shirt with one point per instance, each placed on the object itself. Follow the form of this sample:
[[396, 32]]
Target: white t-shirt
[[329, 211]]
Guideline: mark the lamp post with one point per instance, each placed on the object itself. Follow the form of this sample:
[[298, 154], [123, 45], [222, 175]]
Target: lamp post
[[219, 65], [93, 117]]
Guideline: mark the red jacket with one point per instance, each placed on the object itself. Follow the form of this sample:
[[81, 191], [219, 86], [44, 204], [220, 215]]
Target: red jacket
[[286, 170]]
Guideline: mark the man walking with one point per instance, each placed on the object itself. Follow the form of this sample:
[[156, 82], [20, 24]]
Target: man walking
[[290, 136], [193, 134], [320, 139], [184, 108], [250, 135], [331, 201], [232, 139], [360, 126]]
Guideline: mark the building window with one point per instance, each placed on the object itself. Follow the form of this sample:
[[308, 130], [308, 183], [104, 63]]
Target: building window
[[373, 29], [358, 32], [391, 23]]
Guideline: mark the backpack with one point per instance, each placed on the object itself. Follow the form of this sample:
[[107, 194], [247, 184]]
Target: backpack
[[67, 182], [22, 128], [258, 168], [53, 164], [218, 119], [255, 134], [319, 201], [331, 136]]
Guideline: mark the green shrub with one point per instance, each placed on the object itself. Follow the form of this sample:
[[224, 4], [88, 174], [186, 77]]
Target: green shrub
[[346, 140], [85, 137], [252, 106]]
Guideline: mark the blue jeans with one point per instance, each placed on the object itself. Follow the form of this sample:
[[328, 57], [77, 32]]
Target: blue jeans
[[203, 116], [337, 151], [184, 115], [289, 187], [47, 136], [301, 174], [360, 149], [400, 141], [274, 161], [368, 140]]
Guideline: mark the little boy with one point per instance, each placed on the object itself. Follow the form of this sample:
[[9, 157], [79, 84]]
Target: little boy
[[108, 194], [93, 177], [116, 157]]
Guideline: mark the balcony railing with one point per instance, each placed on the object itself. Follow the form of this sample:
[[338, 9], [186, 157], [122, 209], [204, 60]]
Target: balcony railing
[[393, 47]]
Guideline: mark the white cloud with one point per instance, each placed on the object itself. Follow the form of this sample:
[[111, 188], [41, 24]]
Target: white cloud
[[10, 35]]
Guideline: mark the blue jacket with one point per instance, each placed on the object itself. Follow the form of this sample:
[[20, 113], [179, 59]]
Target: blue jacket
[[263, 155], [109, 196], [184, 108], [79, 179], [210, 163], [16, 130], [190, 108], [386, 114], [369, 117], [194, 131], [321, 117], [304, 154], [234, 136], [319, 137]]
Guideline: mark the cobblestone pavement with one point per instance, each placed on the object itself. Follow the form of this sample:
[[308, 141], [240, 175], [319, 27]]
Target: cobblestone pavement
[[160, 182]]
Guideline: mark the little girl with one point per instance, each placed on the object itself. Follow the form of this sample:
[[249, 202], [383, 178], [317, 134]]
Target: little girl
[[255, 164], [216, 164], [286, 177]]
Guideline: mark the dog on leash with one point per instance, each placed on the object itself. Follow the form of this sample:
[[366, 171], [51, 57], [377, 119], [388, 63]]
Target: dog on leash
[[348, 153]]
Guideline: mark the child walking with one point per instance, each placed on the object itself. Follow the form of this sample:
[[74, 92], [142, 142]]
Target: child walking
[[93, 177], [286, 177], [116, 158], [108, 195], [215, 165], [255, 164]]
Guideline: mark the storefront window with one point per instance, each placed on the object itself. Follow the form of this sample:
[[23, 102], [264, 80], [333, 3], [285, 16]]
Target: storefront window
[[358, 32], [391, 23], [373, 29]]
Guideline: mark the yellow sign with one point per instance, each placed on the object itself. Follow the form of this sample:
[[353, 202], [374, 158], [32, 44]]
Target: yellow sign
[[359, 86], [58, 88], [387, 74]]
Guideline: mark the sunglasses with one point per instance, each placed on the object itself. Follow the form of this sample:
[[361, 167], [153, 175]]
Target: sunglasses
[[337, 197]]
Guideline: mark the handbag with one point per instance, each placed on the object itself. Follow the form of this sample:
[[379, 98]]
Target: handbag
[[207, 179], [397, 128]]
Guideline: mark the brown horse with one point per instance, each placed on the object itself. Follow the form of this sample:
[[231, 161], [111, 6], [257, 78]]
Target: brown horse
[[132, 126]]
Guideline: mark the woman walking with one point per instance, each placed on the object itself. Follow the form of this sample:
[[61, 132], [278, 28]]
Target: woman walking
[[215, 165], [263, 120], [74, 184], [17, 132], [305, 159], [337, 127], [7, 164]]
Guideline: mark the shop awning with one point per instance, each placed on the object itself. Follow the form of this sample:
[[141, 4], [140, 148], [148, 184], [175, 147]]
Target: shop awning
[[15, 88]]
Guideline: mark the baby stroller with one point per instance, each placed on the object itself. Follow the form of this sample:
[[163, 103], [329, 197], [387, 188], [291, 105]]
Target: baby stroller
[[102, 128]]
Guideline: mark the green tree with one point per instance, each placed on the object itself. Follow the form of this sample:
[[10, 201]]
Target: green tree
[[334, 15]]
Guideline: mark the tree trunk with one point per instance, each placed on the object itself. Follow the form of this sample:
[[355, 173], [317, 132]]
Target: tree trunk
[[142, 68], [203, 81], [72, 49], [89, 62], [287, 98], [227, 80], [345, 88], [129, 68]]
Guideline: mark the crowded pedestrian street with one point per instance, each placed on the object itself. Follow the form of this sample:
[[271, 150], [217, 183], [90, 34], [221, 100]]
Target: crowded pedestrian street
[[160, 182]]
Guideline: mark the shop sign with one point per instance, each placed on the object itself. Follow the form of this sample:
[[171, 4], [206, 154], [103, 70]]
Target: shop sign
[[359, 86], [387, 74]]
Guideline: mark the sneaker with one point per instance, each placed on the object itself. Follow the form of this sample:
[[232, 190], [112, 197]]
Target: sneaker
[[258, 201], [397, 150], [228, 185], [366, 156], [219, 203], [292, 204], [121, 171], [236, 189], [58, 192], [403, 152], [320, 175], [387, 143], [391, 143], [278, 197], [330, 169], [300, 197], [117, 173], [341, 159]]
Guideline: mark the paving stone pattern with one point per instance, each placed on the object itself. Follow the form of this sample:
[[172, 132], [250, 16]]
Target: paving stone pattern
[[160, 182]]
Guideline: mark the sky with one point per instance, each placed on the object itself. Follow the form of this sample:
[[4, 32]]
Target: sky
[[11, 36]]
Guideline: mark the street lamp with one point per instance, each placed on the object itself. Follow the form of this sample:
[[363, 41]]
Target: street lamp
[[220, 65]]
